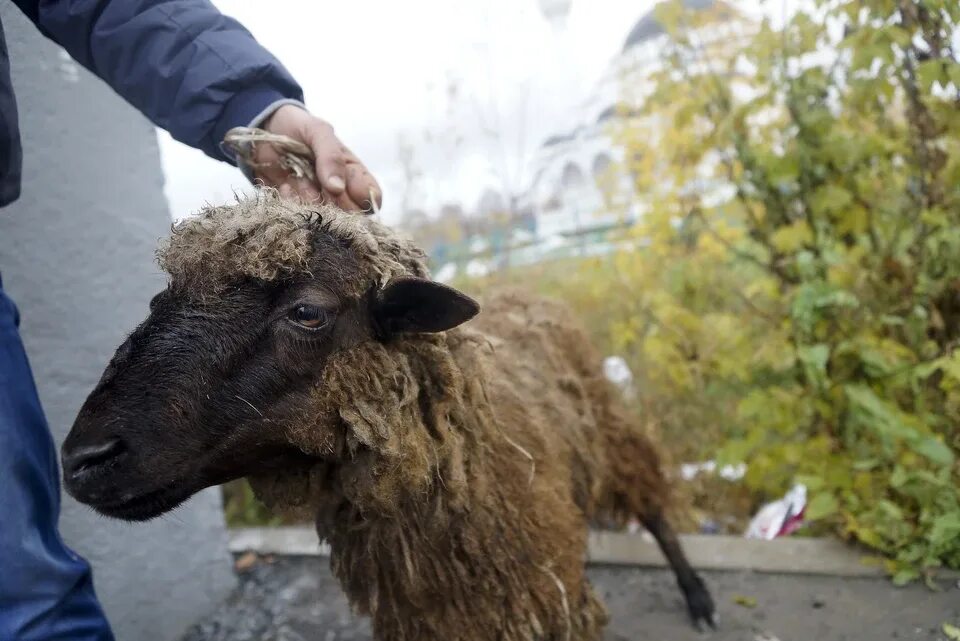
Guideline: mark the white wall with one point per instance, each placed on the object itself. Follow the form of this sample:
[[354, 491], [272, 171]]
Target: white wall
[[77, 256]]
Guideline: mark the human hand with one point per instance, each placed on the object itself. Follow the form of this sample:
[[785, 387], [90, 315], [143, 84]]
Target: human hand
[[340, 176]]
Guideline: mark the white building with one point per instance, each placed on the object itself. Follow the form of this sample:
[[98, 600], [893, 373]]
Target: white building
[[581, 188]]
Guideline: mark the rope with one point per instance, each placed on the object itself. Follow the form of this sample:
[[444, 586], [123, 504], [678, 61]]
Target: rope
[[295, 157]]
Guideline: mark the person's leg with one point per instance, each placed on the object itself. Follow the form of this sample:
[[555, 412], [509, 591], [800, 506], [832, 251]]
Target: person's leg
[[46, 590]]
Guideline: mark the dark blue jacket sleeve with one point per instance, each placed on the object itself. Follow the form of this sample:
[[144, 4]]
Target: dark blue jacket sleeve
[[186, 66]]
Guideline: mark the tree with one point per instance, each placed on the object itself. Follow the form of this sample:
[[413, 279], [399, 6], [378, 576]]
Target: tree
[[801, 288], [406, 157]]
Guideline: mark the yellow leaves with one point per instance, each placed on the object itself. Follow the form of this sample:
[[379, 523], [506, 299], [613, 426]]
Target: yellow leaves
[[942, 71], [852, 220], [951, 366], [830, 200], [818, 363], [869, 537], [744, 601], [711, 247], [670, 15], [661, 231], [666, 359], [951, 631], [878, 355], [766, 287], [724, 341], [847, 268], [774, 351], [676, 318], [793, 237], [623, 335], [772, 410], [630, 267], [821, 506], [863, 483], [723, 227]]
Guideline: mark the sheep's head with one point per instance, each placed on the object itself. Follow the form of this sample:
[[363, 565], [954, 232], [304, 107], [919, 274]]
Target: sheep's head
[[263, 296]]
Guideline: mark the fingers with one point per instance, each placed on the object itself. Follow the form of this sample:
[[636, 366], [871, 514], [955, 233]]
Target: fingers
[[272, 173], [341, 174], [346, 203], [307, 190], [341, 179], [291, 188], [362, 187], [287, 192], [330, 157]]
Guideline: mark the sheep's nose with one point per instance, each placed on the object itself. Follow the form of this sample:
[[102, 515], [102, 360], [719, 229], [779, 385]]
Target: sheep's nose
[[82, 461]]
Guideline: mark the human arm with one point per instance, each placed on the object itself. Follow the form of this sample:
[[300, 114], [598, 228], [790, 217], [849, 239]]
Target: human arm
[[196, 73]]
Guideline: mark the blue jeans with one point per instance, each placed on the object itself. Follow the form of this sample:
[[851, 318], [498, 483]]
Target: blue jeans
[[46, 589]]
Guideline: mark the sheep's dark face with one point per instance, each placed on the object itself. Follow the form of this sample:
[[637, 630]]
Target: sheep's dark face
[[207, 389]]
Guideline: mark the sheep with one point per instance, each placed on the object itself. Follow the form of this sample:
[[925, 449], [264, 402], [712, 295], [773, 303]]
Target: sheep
[[453, 469]]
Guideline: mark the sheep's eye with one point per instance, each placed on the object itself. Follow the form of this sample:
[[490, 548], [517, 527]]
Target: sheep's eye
[[309, 316]]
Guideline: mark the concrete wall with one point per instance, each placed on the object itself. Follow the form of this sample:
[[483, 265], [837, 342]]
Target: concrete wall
[[76, 254]]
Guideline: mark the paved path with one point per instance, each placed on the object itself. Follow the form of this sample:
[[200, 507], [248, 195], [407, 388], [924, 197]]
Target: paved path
[[296, 599]]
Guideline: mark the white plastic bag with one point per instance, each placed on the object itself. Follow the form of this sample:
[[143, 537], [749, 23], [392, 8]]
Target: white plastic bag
[[779, 518], [616, 370]]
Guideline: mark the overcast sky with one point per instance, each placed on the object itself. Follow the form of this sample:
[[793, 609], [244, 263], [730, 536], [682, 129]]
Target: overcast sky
[[381, 69]]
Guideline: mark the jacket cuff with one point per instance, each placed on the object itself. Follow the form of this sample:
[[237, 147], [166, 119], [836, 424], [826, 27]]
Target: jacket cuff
[[261, 117], [244, 108]]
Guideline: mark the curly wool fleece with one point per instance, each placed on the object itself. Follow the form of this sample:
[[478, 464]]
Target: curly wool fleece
[[455, 473], [266, 237]]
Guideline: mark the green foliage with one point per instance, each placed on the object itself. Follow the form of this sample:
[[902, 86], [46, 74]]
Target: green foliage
[[801, 291], [796, 305], [241, 507]]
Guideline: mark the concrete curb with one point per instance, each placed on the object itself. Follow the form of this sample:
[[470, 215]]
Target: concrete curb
[[706, 552]]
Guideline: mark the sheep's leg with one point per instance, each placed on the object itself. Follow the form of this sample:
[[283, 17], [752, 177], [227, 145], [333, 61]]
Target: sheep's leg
[[636, 486], [699, 602]]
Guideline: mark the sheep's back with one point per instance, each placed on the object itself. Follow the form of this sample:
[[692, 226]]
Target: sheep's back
[[542, 336], [545, 380]]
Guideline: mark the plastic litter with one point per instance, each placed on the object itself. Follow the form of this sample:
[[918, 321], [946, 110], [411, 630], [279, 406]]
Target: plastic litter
[[616, 370], [689, 471], [779, 518]]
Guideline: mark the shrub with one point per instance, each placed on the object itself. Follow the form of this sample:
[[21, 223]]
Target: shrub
[[800, 295]]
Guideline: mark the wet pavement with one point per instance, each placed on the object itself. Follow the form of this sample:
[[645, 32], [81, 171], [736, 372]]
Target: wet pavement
[[297, 599]]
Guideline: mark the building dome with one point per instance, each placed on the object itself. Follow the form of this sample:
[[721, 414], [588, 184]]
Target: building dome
[[649, 27], [557, 139], [607, 114], [616, 111], [556, 11]]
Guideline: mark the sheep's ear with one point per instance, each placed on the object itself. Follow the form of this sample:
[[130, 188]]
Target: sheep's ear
[[410, 304]]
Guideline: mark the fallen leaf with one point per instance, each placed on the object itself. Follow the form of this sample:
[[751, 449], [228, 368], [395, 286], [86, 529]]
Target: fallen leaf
[[952, 632], [745, 601], [245, 561]]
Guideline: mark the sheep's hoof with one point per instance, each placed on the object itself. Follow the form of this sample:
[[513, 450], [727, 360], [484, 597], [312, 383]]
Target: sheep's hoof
[[700, 605]]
